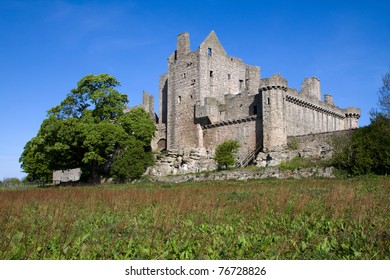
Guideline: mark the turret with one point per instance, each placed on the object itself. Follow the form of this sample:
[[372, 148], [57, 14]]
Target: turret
[[274, 120], [352, 115]]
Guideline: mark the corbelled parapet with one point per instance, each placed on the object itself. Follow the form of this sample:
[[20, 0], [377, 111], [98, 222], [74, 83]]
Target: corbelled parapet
[[352, 115], [352, 112], [275, 81]]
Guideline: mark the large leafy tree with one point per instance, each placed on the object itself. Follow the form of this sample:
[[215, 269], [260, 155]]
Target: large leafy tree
[[88, 130], [96, 93]]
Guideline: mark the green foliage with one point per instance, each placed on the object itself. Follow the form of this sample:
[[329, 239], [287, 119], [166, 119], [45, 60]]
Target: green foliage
[[262, 219], [293, 144], [225, 153], [88, 130], [301, 162], [132, 163], [137, 122], [367, 151], [96, 91]]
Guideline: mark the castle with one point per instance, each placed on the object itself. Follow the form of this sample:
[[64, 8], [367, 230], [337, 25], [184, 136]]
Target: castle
[[207, 97]]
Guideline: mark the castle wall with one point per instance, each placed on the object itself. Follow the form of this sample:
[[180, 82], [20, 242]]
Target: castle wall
[[308, 115], [246, 131]]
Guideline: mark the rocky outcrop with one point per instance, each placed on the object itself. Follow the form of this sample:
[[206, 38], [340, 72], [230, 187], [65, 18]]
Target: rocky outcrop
[[174, 162]]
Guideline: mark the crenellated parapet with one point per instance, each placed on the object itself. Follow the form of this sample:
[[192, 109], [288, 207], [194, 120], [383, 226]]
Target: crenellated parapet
[[352, 112], [351, 117], [274, 82]]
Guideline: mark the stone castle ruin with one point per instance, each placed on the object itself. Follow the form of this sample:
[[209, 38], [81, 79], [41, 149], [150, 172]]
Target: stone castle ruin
[[207, 97]]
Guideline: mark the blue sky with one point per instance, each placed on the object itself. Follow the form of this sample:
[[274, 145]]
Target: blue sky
[[47, 46]]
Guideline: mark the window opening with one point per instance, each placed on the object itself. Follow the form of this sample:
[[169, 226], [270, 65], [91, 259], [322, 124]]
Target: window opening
[[179, 99], [211, 73], [241, 84], [209, 52]]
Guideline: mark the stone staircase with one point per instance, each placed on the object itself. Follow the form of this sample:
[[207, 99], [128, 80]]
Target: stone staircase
[[250, 156]]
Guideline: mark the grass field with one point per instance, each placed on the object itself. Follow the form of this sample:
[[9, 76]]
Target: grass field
[[265, 219]]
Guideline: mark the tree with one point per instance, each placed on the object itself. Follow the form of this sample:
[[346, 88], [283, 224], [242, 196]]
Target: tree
[[137, 122], [34, 161], [225, 153], [96, 91], [384, 95], [88, 130], [132, 163]]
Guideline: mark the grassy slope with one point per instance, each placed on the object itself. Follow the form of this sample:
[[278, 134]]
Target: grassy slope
[[265, 219]]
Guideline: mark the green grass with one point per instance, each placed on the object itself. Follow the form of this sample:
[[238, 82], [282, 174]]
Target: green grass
[[263, 219], [302, 162]]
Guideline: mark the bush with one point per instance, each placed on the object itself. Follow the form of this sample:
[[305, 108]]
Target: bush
[[132, 163], [225, 153], [367, 150]]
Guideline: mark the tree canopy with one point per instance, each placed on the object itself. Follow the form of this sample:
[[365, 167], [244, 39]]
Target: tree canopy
[[89, 130], [225, 153]]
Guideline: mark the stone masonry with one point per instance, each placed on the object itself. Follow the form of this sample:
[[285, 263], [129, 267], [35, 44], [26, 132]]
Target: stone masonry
[[207, 97]]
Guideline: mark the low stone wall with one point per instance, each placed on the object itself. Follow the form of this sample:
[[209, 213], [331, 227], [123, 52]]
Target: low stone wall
[[249, 174]]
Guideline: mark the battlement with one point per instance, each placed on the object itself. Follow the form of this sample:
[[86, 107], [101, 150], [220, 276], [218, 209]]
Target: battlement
[[275, 81], [352, 112]]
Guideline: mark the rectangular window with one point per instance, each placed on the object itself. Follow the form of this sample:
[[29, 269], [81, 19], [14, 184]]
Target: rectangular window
[[229, 76], [268, 101], [241, 84], [209, 52], [211, 73], [179, 99]]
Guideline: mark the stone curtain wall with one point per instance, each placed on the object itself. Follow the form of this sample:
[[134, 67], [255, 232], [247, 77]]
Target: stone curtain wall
[[308, 115], [246, 130]]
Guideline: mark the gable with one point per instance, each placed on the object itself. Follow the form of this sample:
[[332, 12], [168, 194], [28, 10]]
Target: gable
[[212, 44]]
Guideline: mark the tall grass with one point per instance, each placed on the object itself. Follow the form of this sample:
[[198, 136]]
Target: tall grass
[[264, 219]]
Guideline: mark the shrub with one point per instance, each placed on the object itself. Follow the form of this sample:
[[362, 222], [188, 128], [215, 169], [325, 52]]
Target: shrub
[[132, 163], [367, 151], [225, 153]]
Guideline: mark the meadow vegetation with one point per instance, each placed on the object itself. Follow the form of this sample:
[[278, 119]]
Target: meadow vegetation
[[262, 219]]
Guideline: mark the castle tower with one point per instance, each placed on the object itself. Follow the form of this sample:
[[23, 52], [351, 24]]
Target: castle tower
[[273, 91], [351, 117], [182, 96]]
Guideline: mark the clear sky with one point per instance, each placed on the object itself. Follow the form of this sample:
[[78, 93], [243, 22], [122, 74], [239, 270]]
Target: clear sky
[[47, 46]]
